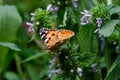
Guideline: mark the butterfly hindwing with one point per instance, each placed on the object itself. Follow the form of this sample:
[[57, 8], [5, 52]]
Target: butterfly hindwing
[[43, 32]]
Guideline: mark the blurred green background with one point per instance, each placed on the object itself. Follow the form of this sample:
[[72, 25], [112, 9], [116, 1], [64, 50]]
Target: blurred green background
[[22, 59]]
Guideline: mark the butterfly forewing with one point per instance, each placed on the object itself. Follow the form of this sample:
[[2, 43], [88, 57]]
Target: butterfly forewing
[[51, 38], [65, 34]]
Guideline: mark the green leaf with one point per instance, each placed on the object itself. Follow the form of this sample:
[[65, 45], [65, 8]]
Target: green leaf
[[11, 76], [115, 74], [85, 59], [1, 2], [32, 72], [60, 16], [116, 62], [108, 28], [10, 45], [114, 10], [33, 57], [87, 39], [10, 21], [64, 19]]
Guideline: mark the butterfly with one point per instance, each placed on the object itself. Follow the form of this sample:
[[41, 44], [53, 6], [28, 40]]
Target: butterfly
[[55, 38]]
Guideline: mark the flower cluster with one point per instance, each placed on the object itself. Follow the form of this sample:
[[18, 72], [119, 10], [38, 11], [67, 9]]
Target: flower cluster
[[51, 66], [79, 71], [86, 18], [99, 22], [94, 67], [30, 25], [52, 8], [56, 5], [75, 3]]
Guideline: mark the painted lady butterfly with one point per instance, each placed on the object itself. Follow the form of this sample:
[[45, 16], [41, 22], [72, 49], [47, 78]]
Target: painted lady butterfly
[[55, 38]]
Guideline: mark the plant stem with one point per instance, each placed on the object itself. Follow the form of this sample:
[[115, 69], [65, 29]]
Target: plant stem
[[19, 69], [109, 2], [98, 75], [119, 44], [107, 57]]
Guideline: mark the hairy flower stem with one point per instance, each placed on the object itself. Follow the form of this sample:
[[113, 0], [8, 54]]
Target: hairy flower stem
[[19, 68], [107, 57]]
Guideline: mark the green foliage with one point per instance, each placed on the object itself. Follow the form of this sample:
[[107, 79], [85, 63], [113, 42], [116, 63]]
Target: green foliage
[[114, 65], [85, 59], [114, 10], [10, 21], [33, 57], [11, 76], [32, 72], [21, 59], [87, 39], [108, 28], [100, 11], [41, 16], [10, 45], [0, 2]]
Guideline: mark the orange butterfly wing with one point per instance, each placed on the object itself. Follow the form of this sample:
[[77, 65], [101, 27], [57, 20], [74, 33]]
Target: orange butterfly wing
[[55, 38], [51, 39]]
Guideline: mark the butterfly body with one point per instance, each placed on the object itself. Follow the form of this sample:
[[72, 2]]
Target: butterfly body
[[55, 38]]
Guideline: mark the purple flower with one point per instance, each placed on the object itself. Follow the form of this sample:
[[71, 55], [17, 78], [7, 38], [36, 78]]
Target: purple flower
[[50, 75], [75, 3], [102, 43], [49, 7], [58, 71], [96, 30], [52, 64], [30, 27], [99, 22], [51, 72], [79, 71], [29, 24], [52, 8], [117, 49], [32, 18], [86, 18], [56, 9], [94, 67]]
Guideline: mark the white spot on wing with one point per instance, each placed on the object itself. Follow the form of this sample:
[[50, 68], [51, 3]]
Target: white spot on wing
[[43, 36], [46, 40]]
